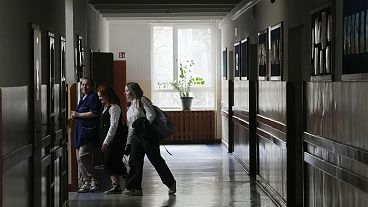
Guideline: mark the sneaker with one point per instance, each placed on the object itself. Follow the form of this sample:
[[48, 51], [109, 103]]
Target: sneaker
[[94, 185], [85, 188], [172, 189], [133, 192], [114, 190]]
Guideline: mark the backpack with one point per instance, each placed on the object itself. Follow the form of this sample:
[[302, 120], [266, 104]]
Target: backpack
[[162, 124]]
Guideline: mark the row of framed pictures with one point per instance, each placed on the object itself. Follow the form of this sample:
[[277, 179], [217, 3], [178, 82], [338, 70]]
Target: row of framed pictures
[[269, 57], [270, 53], [241, 60]]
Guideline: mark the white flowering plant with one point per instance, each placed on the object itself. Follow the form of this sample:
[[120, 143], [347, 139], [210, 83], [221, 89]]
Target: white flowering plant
[[185, 81]]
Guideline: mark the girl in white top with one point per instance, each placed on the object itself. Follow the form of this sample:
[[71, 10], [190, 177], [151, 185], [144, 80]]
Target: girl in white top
[[135, 112], [141, 141]]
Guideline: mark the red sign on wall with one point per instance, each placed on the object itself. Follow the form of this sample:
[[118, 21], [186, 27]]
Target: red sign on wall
[[121, 54]]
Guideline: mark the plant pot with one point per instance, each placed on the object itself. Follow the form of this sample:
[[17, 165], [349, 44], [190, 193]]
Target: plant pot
[[186, 103]]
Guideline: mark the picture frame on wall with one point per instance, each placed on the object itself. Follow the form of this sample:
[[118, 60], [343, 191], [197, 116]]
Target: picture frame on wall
[[80, 58], [244, 64], [62, 58], [322, 50], [355, 56], [276, 51], [224, 64], [262, 55], [63, 89], [36, 64], [51, 67], [237, 61]]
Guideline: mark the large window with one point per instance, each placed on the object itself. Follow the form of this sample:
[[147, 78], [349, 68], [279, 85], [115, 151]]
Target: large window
[[176, 44]]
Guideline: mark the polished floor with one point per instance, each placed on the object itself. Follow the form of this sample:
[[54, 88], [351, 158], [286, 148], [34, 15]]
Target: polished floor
[[206, 176]]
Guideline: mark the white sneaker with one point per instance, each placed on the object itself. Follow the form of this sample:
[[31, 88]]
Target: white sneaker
[[85, 188], [94, 185]]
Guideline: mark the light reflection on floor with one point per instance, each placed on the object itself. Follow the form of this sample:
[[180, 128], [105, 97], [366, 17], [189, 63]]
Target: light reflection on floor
[[206, 176]]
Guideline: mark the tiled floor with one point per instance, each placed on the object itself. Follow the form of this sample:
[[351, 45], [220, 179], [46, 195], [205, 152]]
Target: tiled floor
[[206, 176]]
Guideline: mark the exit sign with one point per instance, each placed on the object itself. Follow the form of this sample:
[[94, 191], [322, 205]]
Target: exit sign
[[121, 54]]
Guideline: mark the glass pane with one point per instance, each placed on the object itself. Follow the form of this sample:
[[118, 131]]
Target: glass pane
[[162, 55], [195, 44]]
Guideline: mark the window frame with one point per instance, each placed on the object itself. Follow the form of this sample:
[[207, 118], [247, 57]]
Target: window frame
[[175, 67]]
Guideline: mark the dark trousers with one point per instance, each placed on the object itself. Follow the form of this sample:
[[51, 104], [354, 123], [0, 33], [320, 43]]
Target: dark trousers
[[149, 146]]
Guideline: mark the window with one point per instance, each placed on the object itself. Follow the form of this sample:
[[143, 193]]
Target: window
[[175, 44]]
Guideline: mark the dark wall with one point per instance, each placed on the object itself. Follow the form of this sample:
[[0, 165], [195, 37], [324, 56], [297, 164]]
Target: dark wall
[[328, 110], [15, 18]]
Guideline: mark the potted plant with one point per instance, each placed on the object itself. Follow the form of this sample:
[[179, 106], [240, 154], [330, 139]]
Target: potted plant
[[184, 83]]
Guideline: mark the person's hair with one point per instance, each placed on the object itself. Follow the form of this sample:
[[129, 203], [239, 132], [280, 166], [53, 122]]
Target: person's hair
[[89, 82], [136, 91], [109, 94]]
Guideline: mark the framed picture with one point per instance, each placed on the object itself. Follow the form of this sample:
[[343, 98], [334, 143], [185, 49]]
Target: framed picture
[[237, 61], [62, 58], [244, 64], [355, 56], [51, 64], [275, 48], [224, 64], [80, 58], [321, 59], [36, 67], [262, 54], [62, 72]]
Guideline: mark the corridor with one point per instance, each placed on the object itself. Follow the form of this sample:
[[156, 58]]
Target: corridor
[[206, 176]]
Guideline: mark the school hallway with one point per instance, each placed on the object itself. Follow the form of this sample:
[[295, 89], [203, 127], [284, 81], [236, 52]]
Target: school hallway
[[206, 176]]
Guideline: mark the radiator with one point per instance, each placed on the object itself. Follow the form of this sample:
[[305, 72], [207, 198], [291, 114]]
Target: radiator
[[192, 127]]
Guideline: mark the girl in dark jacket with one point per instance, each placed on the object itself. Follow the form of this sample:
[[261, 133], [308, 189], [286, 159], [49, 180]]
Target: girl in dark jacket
[[115, 137]]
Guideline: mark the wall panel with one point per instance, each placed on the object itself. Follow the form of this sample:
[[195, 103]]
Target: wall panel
[[336, 148]]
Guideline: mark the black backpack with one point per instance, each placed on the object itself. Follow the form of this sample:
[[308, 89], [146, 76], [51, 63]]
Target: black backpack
[[162, 124]]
